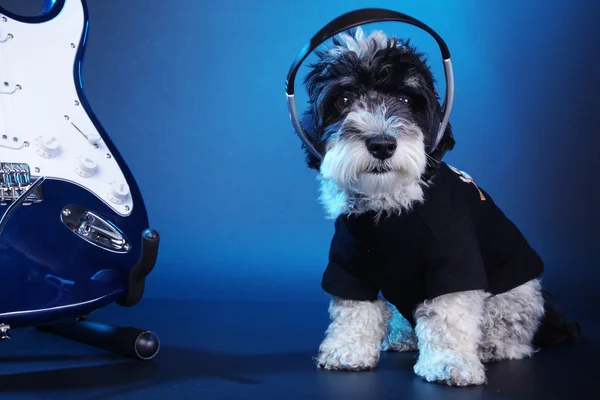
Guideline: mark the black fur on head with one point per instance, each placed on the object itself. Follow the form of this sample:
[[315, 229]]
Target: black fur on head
[[375, 69]]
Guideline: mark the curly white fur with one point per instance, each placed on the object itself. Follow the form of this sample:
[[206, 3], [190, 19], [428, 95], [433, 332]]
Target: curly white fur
[[449, 332], [455, 333], [361, 44], [354, 336], [510, 322]]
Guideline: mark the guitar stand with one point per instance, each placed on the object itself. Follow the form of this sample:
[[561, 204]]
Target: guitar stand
[[126, 341]]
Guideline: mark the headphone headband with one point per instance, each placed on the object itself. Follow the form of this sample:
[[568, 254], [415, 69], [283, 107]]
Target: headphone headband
[[351, 20]]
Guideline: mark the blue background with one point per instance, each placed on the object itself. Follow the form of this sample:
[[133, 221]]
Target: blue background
[[192, 94]]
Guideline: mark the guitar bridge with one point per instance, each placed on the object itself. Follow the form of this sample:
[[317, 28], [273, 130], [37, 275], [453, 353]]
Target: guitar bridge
[[15, 179]]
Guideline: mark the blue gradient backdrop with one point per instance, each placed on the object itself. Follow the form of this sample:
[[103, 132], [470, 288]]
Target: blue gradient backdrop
[[191, 93]]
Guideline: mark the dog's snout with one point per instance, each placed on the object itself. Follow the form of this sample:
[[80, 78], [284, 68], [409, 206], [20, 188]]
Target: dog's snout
[[382, 147]]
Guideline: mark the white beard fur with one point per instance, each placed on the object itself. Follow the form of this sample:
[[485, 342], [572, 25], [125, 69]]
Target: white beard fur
[[345, 187]]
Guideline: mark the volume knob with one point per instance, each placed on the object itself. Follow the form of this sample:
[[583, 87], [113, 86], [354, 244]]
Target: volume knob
[[47, 146], [85, 166], [119, 192]]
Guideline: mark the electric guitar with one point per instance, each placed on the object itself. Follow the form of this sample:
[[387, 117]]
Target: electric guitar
[[74, 233]]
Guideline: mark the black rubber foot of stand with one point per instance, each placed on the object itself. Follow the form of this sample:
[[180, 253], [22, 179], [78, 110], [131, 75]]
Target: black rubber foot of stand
[[126, 341]]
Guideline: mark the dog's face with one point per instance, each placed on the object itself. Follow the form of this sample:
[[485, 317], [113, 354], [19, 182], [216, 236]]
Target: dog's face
[[375, 109]]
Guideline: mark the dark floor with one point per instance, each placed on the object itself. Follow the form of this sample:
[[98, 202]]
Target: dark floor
[[262, 351]]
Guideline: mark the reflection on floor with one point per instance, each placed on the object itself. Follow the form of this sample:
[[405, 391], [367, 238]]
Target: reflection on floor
[[263, 351]]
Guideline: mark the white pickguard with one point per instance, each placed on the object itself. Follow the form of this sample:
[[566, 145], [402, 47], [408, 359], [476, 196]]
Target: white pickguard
[[42, 122]]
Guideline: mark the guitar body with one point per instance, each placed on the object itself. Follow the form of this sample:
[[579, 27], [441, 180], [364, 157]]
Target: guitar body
[[70, 248]]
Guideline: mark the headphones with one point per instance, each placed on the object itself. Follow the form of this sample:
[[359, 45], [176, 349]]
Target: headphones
[[306, 130]]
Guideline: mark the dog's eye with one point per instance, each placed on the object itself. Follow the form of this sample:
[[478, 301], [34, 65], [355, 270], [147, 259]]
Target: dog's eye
[[343, 103], [405, 99]]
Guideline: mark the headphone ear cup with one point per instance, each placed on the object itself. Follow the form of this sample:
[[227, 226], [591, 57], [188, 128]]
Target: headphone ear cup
[[433, 132]]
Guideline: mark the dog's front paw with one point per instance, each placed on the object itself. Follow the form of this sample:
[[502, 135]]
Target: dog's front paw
[[450, 368], [346, 357]]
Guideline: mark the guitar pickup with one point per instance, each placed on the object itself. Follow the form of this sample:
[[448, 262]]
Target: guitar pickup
[[10, 142], [8, 87]]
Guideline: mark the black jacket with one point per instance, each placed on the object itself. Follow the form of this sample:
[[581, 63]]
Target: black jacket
[[456, 240]]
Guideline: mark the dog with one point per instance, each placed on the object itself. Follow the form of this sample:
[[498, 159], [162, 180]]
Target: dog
[[422, 259]]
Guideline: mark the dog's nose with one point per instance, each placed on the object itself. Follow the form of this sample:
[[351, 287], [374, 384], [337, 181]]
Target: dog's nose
[[382, 147]]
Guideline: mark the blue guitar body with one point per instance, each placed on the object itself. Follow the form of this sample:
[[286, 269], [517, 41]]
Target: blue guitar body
[[81, 239]]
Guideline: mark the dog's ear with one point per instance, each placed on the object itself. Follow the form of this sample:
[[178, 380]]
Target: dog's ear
[[312, 161], [447, 143]]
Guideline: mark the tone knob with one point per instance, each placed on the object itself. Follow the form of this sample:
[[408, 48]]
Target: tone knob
[[47, 146], [85, 166], [119, 192]]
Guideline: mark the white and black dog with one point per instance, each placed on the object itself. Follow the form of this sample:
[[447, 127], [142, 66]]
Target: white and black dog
[[460, 283]]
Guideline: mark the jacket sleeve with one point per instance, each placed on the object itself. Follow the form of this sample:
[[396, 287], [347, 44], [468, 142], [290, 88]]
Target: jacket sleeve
[[345, 275]]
